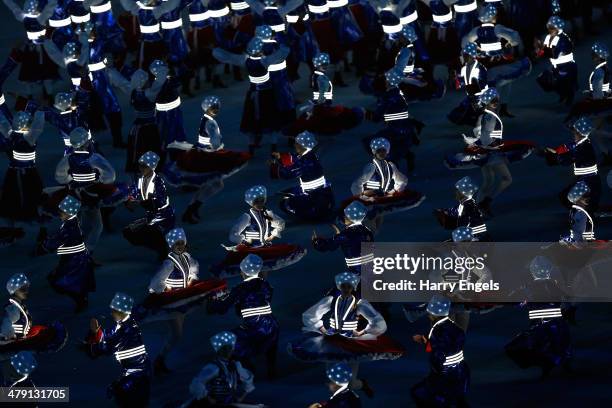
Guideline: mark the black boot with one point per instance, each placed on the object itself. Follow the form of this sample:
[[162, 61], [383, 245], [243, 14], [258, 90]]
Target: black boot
[[485, 206], [237, 74], [115, 124], [338, 80], [271, 362], [197, 85], [217, 82], [191, 215], [160, 367], [503, 111], [186, 85], [106, 213]]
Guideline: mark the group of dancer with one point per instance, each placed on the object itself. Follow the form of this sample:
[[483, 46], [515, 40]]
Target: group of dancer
[[77, 57]]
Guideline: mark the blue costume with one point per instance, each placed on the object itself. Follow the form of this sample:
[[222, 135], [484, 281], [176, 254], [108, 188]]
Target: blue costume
[[392, 108], [562, 77], [449, 377], [103, 91], [313, 198], [472, 77], [144, 133], [124, 341], [74, 274], [582, 157], [22, 188], [172, 31], [259, 330], [61, 24], [347, 30], [150, 192], [283, 93], [546, 343], [349, 241], [469, 214], [107, 29], [466, 16], [78, 12], [169, 113]]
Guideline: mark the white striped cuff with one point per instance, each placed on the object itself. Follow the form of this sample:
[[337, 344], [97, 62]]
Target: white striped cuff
[[256, 311], [360, 260], [133, 352], [545, 313], [164, 107], [71, 249]]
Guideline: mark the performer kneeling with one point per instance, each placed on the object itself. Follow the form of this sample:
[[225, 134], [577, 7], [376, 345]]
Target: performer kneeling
[[313, 199], [150, 193]]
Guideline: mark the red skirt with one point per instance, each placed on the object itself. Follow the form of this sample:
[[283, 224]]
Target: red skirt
[[327, 39], [259, 113], [275, 257], [315, 347], [591, 107], [131, 30], [400, 201], [326, 120], [445, 50], [39, 339], [142, 138], [222, 161], [201, 43]]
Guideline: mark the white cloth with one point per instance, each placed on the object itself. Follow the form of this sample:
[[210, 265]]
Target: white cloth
[[399, 179], [158, 282], [237, 235], [198, 389], [105, 170], [312, 317]]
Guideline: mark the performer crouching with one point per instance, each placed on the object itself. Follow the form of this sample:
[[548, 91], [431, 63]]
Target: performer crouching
[[150, 193], [313, 199], [349, 240]]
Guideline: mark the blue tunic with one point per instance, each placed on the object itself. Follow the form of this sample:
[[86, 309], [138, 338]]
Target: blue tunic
[[107, 29], [392, 108], [258, 332], [100, 81], [313, 198], [155, 201], [344, 399], [546, 343], [124, 342], [172, 31], [74, 275], [349, 241], [169, 112], [449, 377], [466, 16]]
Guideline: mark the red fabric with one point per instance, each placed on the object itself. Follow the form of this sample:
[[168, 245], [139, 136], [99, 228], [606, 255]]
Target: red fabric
[[286, 159], [428, 348], [95, 338], [197, 288], [383, 344], [562, 149], [200, 161], [506, 146], [266, 253], [131, 30], [37, 338], [327, 39], [360, 16], [383, 200], [246, 25]]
